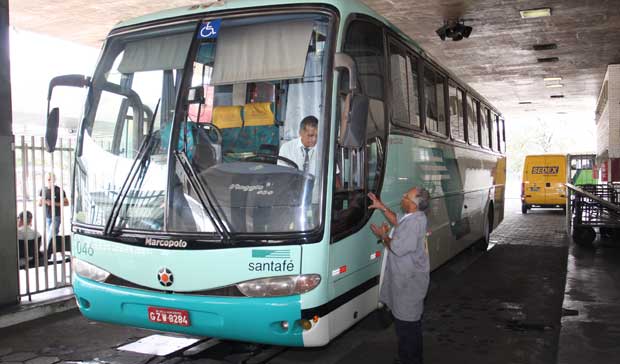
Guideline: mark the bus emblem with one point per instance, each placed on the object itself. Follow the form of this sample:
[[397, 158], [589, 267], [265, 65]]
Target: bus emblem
[[165, 277]]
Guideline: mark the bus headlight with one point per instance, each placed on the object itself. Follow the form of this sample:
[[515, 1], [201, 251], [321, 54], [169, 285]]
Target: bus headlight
[[88, 270], [279, 286]]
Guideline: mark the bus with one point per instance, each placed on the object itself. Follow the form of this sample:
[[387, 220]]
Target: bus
[[187, 219]]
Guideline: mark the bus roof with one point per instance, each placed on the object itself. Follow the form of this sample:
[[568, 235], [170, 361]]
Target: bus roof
[[345, 7], [223, 5]]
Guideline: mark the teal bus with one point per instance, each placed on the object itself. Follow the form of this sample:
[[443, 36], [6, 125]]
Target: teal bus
[[187, 219]]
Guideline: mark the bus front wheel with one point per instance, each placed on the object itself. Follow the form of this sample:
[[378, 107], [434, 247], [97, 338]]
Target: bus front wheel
[[524, 208]]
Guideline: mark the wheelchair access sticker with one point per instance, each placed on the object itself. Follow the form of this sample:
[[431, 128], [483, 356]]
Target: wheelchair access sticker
[[209, 29]]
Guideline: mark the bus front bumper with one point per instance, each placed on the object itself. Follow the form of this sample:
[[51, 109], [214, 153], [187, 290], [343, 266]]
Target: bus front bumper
[[257, 320]]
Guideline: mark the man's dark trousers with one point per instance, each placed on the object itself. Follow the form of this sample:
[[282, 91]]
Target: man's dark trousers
[[409, 335]]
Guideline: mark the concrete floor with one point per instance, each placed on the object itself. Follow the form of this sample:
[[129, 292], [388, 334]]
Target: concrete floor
[[591, 324], [501, 306]]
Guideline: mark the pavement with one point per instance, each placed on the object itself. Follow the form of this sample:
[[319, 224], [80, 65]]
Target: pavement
[[534, 297]]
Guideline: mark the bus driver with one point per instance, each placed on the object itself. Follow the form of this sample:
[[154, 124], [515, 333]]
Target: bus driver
[[302, 150]]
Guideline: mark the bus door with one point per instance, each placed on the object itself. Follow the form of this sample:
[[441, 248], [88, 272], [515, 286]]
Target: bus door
[[355, 255]]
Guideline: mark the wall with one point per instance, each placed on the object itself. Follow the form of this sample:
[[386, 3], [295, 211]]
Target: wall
[[8, 230], [608, 122]]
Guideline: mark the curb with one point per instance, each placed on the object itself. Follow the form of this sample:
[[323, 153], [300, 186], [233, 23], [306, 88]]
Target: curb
[[24, 313]]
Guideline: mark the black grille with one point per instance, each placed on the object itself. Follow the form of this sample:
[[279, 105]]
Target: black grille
[[228, 291]]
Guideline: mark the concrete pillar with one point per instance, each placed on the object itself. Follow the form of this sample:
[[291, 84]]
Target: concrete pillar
[[9, 289]]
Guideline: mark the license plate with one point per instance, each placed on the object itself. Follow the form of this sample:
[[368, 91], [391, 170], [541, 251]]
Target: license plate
[[169, 316], [534, 189]]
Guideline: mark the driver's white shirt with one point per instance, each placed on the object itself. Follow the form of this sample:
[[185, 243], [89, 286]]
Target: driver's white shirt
[[294, 150]]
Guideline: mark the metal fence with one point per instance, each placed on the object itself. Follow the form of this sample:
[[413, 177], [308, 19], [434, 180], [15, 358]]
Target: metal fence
[[44, 255]]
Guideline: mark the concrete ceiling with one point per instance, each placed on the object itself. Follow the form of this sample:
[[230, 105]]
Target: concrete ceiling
[[498, 58]]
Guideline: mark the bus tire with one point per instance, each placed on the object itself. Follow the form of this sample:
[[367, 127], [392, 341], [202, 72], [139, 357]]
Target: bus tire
[[487, 228], [584, 235], [523, 209]]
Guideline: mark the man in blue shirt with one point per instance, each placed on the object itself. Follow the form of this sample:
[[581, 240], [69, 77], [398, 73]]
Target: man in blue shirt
[[406, 269]]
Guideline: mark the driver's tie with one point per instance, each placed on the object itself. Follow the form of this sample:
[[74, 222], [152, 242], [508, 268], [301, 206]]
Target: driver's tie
[[306, 159]]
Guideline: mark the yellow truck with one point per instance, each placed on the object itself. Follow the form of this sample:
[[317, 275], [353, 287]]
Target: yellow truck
[[543, 182]]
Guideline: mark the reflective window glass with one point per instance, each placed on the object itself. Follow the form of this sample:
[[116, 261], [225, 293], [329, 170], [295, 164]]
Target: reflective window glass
[[472, 120], [456, 113], [484, 126]]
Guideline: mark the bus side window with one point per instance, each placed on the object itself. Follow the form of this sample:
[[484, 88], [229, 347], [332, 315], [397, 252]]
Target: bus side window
[[503, 136], [434, 98], [404, 85], [457, 127], [472, 120], [375, 163], [496, 132], [484, 126]]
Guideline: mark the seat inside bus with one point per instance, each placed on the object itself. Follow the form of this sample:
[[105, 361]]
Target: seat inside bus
[[247, 130]]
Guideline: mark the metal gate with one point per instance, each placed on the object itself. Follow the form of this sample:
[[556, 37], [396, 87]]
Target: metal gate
[[44, 256]]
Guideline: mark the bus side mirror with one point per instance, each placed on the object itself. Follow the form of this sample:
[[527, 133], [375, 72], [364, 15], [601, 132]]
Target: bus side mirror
[[354, 135], [51, 131], [53, 119], [344, 62], [355, 106]]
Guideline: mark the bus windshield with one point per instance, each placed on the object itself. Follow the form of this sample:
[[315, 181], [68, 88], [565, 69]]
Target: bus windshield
[[232, 137]]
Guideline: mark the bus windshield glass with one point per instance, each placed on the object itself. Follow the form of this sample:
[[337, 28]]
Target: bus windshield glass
[[232, 139]]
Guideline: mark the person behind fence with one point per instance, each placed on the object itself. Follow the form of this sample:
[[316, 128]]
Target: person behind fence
[[25, 233], [24, 228], [302, 150], [407, 269], [45, 199]]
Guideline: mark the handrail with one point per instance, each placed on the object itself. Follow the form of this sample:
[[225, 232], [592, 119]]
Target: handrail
[[604, 203]]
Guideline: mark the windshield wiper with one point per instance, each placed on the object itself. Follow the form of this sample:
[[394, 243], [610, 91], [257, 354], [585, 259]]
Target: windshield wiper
[[136, 173], [203, 196]]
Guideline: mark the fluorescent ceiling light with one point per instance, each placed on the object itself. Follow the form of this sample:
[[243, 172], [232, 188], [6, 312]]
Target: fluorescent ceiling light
[[535, 13], [555, 85], [551, 79]]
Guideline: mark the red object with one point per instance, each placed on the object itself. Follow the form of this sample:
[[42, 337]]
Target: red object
[[604, 175], [378, 253], [343, 269], [169, 316], [595, 171]]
